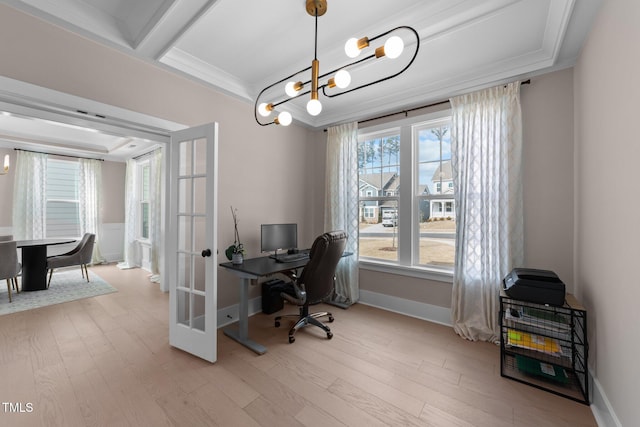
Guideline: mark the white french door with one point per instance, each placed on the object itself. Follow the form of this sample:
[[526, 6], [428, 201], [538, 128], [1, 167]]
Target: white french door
[[191, 240]]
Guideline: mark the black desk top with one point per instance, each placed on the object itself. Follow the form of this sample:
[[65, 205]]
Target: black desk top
[[264, 266], [42, 242]]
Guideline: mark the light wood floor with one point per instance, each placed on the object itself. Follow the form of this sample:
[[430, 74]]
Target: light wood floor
[[106, 361]]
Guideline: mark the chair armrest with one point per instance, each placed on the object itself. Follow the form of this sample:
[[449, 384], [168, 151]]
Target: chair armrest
[[300, 297]]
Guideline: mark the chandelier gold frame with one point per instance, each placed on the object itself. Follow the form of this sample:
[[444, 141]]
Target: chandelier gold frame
[[338, 78]]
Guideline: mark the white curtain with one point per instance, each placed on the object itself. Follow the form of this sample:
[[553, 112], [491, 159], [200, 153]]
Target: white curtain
[[89, 190], [155, 213], [487, 150], [130, 215], [341, 205], [29, 196]]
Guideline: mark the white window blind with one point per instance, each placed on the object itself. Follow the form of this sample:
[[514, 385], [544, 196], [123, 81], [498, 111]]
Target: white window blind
[[62, 215]]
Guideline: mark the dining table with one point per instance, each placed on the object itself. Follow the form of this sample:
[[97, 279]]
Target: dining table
[[34, 261]]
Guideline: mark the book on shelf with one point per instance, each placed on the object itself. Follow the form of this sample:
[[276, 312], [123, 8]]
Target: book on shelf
[[529, 341], [541, 369]]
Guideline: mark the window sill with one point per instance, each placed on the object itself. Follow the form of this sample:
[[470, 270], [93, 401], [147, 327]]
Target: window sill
[[439, 275]]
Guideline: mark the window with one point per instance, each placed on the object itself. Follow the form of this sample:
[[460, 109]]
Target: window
[[145, 176], [379, 168], [62, 211], [409, 162]]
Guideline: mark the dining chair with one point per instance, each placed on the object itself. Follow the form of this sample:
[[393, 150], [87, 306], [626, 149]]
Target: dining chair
[[9, 266], [80, 255], [6, 238]]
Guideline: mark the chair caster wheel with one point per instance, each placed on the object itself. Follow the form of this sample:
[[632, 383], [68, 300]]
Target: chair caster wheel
[[277, 323], [292, 340], [331, 319], [329, 335]]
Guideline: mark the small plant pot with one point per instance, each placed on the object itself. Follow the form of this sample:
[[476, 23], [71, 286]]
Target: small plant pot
[[237, 258]]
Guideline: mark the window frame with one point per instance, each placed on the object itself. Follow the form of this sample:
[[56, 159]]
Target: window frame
[[407, 201]]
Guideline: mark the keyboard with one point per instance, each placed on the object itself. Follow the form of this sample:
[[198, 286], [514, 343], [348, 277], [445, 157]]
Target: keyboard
[[291, 257]]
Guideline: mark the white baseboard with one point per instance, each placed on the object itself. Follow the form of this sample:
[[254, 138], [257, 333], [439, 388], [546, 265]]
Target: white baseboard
[[228, 315], [601, 407], [431, 313]]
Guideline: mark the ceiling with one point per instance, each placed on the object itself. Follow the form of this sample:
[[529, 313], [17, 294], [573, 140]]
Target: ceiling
[[240, 47]]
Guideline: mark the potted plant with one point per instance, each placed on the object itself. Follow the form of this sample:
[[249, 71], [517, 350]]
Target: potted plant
[[235, 252]]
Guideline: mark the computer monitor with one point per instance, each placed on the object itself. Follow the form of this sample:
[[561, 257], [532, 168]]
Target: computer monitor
[[274, 237]]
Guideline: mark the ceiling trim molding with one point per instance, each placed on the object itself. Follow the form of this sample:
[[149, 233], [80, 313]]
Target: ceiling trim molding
[[197, 69]]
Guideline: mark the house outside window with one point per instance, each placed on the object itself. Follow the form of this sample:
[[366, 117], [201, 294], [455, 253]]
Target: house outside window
[[63, 206], [422, 197]]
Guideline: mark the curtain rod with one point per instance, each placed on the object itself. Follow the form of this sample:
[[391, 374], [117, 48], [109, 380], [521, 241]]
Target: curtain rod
[[148, 153], [61, 155], [405, 112]]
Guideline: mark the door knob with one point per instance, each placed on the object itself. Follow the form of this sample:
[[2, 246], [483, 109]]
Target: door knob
[[206, 253]]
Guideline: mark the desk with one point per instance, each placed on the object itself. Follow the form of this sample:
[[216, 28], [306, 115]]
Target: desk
[[252, 269], [34, 262]]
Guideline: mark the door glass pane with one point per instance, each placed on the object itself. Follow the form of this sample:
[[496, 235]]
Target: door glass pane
[[185, 242], [184, 270], [199, 273], [185, 195], [198, 312], [200, 202], [183, 307], [184, 166], [200, 147]]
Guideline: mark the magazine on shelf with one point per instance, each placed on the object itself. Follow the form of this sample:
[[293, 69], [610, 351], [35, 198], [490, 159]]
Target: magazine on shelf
[[535, 342]]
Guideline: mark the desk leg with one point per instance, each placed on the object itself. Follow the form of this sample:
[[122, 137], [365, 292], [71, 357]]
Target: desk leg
[[241, 335]]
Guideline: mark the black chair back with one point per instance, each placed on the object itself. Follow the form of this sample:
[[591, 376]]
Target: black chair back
[[319, 274]]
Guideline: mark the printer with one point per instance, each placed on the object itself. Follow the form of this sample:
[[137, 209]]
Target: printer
[[534, 285]]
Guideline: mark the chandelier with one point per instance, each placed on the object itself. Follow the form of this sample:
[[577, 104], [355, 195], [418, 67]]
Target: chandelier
[[338, 80]]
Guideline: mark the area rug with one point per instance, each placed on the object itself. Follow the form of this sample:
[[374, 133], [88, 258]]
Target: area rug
[[66, 285]]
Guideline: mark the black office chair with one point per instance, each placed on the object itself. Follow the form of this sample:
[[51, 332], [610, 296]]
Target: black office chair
[[316, 282]]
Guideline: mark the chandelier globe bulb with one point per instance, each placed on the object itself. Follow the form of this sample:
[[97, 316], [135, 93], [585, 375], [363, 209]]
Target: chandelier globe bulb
[[290, 89], [343, 79], [264, 110], [393, 47], [314, 107], [351, 48], [284, 118]]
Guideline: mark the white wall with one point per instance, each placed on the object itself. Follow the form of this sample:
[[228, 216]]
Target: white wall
[[608, 205], [270, 174]]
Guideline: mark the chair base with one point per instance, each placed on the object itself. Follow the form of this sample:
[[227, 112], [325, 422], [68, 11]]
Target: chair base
[[305, 319], [83, 270]]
